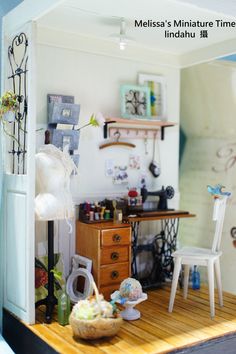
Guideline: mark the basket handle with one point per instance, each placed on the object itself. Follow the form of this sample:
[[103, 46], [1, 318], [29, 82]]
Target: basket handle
[[97, 297]]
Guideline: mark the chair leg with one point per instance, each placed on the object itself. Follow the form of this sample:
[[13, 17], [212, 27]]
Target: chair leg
[[174, 283], [211, 287], [186, 278], [218, 281]]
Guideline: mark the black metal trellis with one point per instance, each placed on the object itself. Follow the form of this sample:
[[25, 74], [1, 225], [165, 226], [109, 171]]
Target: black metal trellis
[[161, 247], [135, 103], [169, 238], [18, 61]]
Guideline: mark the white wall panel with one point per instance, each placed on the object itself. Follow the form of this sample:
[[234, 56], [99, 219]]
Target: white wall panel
[[16, 248]]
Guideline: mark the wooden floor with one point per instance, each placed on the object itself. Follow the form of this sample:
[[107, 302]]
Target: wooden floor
[[157, 331]]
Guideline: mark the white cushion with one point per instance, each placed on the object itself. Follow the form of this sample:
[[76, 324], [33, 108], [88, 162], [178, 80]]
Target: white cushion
[[196, 252]]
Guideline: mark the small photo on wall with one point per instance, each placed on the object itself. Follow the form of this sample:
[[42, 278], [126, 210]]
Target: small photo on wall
[[120, 175], [134, 162], [109, 168]]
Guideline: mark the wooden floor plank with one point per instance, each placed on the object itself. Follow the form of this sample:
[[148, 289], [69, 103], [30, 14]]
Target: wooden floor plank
[[138, 345], [199, 307], [229, 307], [184, 314], [216, 327], [149, 333], [66, 333], [204, 290], [194, 297], [229, 299], [229, 302], [173, 324], [99, 346], [158, 331], [200, 312], [204, 331], [57, 342]]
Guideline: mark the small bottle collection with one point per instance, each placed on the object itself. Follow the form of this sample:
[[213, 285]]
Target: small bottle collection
[[95, 212]]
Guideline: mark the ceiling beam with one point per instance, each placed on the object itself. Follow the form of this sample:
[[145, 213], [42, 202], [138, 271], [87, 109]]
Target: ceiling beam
[[212, 52], [74, 41], [28, 10]]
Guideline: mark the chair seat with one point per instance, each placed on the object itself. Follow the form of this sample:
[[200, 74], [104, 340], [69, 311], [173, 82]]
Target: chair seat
[[196, 252]]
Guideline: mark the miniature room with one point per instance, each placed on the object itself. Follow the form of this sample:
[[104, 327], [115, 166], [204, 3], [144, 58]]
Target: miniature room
[[115, 162]]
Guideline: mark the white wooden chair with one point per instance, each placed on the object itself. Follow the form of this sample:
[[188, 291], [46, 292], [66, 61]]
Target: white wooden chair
[[204, 257]]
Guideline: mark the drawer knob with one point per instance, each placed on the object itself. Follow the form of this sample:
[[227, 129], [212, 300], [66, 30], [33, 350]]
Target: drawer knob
[[114, 256], [116, 238], [114, 274]]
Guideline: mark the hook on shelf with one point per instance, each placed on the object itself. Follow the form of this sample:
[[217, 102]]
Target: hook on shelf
[[116, 135]]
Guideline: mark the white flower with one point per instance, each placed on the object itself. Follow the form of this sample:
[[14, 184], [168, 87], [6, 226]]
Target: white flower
[[95, 121], [100, 119]]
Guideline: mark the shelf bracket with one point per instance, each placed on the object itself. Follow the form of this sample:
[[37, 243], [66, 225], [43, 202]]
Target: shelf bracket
[[162, 133], [105, 130]]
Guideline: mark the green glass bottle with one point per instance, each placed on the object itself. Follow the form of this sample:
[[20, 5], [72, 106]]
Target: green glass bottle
[[63, 308]]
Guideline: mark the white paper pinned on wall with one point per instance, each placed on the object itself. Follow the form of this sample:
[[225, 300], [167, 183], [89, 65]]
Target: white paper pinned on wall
[[109, 167], [120, 175], [134, 162]]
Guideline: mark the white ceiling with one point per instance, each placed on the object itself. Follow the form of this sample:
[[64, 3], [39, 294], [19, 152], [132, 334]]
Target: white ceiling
[[100, 19], [227, 7]]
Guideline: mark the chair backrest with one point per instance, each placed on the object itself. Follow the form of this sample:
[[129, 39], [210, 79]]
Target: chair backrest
[[218, 216]]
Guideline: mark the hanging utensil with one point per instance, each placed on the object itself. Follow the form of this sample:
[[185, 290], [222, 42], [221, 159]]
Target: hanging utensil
[[146, 145], [154, 166]]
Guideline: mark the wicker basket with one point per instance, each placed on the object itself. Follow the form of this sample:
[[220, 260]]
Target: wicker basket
[[97, 328], [94, 329]]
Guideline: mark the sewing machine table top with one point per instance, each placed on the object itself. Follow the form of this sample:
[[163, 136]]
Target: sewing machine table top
[[158, 215]]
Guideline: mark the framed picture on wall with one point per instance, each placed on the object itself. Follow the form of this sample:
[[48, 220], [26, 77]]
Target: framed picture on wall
[[135, 102], [157, 86]]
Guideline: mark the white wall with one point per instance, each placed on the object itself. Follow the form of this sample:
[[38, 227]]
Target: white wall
[[208, 103], [95, 81]]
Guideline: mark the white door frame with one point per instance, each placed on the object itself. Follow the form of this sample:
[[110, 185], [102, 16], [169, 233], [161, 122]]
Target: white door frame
[[18, 202], [17, 240]]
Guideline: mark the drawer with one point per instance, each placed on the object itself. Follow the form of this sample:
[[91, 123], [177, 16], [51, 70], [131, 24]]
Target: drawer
[[115, 237], [114, 254], [114, 273], [108, 290]]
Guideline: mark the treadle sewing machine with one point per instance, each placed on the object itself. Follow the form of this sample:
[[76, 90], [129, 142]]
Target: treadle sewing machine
[[163, 194], [138, 205], [162, 244]]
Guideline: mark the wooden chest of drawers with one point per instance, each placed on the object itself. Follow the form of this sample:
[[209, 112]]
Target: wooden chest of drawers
[[108, 245]]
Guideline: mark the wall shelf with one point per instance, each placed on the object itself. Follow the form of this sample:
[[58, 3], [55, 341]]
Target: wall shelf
[[140, 123]]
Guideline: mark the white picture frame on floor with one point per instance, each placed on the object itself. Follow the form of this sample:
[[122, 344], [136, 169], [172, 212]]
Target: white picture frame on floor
[[80, 261]]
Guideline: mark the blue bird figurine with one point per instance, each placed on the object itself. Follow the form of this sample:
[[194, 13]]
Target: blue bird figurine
[[216, 191]]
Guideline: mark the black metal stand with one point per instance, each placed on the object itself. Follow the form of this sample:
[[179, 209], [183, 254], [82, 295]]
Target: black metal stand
[[50, 301], [18, 62], [162, 246]]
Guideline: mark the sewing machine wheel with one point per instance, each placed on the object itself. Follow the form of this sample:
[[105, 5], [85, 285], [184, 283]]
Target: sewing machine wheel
[[170, 192]]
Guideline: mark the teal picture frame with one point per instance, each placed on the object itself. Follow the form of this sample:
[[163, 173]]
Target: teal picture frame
[[135, 102]]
